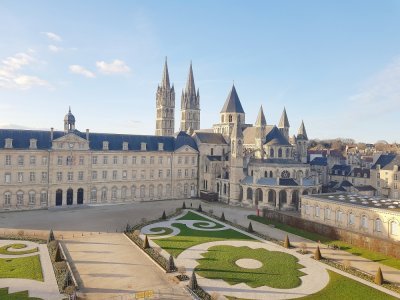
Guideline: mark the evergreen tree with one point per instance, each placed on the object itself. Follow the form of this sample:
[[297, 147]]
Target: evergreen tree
[[146, 244], [51, 236], [200, 209], [223, 217], [164, 216], [286, 242], [128, 228], [193, 282], [171, 264], [379, 277], [58, 256], [250, 228], [317, 254]]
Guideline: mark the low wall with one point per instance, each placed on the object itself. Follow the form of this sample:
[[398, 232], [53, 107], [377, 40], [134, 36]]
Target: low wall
[[354, 238]]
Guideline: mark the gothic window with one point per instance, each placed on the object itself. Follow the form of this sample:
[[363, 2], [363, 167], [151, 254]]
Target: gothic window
[[271, 153], [230, 118], [287, 152], [364, 222], [265, 174], [280, 152], [378, 225], [270, 174], [285, 174]]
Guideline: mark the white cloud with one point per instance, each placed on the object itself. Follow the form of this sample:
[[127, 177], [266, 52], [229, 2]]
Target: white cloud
[[52, 36], [381, 93], [115, 67], [54, 48], [12, 79], [77, 69]]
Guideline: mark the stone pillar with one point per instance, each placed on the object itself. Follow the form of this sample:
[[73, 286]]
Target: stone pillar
[[276, 199]]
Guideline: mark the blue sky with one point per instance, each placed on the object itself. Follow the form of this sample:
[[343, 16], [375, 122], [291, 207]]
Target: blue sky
[[335, 64]]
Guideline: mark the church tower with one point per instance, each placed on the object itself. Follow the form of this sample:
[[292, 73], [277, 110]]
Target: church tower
[[284, 125], [190, 106], [260, 125], [236, 166], [165, 105], [302, 143]]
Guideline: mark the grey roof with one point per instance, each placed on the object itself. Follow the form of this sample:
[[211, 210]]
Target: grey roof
[[247, 180], [287, 182], [360, 171], [365, 188], [266, 181], [341, 168], [302, 134], [232, 103], [21, 140], [345, 183], [210, 137], [261, 118], [275, 137], [284, 122], [214, 157], [319, 161], [387, 161], [69, 117]]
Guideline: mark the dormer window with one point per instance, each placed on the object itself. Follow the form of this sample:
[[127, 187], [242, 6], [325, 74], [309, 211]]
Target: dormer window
[[160, 146], [143, 146], [125, 146], [33, 144], [9, 143], [105, 145]]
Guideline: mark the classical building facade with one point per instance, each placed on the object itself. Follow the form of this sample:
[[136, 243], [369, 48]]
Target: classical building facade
[[374, 216]]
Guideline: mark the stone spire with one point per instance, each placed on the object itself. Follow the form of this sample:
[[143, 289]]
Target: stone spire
[[260, 122], [284, 122], [165, 105], [165, 78], [302, 134], [190, 105]]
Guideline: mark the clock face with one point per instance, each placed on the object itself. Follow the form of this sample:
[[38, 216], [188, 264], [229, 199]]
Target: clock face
[[285, 174], [71, 145]]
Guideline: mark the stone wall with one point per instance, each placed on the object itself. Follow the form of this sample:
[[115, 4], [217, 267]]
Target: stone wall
[[357, 239]]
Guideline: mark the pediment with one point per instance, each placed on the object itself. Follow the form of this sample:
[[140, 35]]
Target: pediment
[[186, 149], [70, 141]]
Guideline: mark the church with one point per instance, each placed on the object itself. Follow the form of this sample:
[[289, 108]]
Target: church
[[255, 165]]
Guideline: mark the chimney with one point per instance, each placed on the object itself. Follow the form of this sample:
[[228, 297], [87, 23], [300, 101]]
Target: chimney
[[87, 134], [51, 133]]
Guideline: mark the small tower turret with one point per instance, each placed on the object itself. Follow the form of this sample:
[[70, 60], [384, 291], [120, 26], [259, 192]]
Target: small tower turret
[[302, 144], [190, 105], [69, 121], [260, 133], [236, 164], [284, 124]]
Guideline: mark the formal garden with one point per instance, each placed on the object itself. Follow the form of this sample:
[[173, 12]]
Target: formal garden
[[223, 259]]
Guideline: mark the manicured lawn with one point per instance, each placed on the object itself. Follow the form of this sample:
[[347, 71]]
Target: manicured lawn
[[187, 237], [368, 254], [22, 267], [160, 231], [4, 250], [15, 296], [278, 270]]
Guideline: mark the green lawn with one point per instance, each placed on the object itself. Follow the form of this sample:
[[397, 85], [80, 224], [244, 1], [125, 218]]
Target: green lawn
[[22, 267], [279, 270], [15, 296], [368, 254], [160, 231], [4, 250], [187, 237], [341, 287]]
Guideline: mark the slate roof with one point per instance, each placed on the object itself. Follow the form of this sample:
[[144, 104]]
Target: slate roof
[[275, 137], [21, 140], [341, 168], [232, 103], [214, 157], [346, 183], [360, 171], [387, 161], [366, 188], [210, 137], [287, 182], [319, 161]]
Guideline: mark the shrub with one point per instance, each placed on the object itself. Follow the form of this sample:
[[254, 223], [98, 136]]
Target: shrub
[[200, 209], [317, 254], [286, 242], [379, 277], [250, 228], [164, 216], [223, 217]]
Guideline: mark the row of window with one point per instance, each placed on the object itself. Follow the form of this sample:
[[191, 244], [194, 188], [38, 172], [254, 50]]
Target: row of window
[[20, 197], [32, 177], [280, 153], [341, 217], [21, 160]]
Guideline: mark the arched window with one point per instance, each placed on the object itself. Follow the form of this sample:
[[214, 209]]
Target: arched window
[[93, 195], [339, 216], [142, 191], [133, 191], [7, 198], [32, 198], [114, 193], [271, 153], [265, 173], [378, 225], [20, 198], [280, 152], [287, 153], [394, 228], [327, 213], [123, 192], [351, 219], [317, 211], [230, 118], [104, 194], [151, 190], [364, 222], [43, 197], [271, 174], [249, 194], [186, 190]]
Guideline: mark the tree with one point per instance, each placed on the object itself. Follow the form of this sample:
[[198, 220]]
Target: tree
[[146, 244], [250, 228], [171, 264], [193, 282], [164, 216], [286, 242], [223, 217], [200, 209], [51, 236], [317, 254], [379, 277], [184, 205]]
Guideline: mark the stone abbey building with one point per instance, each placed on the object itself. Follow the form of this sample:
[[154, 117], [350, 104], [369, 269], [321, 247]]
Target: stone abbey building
[[244, 164]]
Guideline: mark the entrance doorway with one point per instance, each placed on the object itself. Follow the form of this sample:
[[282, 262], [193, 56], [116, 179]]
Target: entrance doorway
[[70, 196], [80, 196], [58, 197]]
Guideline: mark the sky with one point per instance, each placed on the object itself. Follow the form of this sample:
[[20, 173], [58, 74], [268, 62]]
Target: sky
[[333, 64]]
